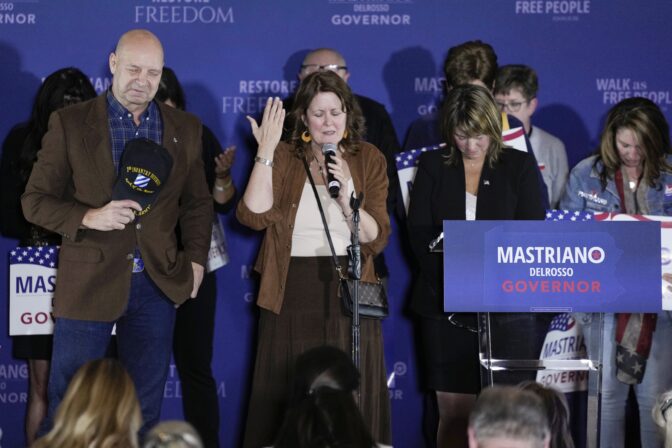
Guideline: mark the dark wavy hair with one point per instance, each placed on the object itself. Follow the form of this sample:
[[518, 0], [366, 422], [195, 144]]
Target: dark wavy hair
[[322, 410], [170, 89], [62, 88], [319, 82], [644, 118]]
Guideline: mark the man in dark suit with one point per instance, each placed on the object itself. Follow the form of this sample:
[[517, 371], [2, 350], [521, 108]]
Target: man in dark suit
[[379, 129], [115, 265]]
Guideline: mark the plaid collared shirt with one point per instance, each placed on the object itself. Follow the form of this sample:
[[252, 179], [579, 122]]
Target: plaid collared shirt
[[123, 128]]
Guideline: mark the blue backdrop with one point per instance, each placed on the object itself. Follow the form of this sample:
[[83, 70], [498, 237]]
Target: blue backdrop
[[231, 54]]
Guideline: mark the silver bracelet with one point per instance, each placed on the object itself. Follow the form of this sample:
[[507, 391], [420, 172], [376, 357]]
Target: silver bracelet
[[263, 161], [224, 187]]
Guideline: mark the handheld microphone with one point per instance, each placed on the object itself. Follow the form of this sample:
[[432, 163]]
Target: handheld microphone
[[334, 186]]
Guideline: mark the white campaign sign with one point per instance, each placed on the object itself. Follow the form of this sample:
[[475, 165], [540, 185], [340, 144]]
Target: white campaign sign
[[32, 278], [218, 255]]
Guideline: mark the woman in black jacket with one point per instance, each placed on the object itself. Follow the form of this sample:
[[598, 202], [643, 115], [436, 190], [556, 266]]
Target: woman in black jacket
[[474, 177]]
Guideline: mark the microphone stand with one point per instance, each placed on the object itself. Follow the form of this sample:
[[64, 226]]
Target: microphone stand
[[355, 255]]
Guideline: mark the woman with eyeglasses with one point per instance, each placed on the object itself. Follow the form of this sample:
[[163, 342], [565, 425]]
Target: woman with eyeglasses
[[474, 177], [515, 92], [631, 172]]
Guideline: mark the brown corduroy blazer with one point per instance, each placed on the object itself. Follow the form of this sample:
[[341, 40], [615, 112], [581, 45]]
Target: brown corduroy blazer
[[369, 174], [75, 172]]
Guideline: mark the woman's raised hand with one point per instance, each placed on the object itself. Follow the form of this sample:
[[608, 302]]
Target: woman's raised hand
[[269, 132]]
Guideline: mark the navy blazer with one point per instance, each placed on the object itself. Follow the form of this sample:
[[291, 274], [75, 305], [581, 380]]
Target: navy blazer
[[509, 190]]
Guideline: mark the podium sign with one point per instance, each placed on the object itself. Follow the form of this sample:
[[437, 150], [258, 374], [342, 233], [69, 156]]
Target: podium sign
[[32, 278], [521, 266]]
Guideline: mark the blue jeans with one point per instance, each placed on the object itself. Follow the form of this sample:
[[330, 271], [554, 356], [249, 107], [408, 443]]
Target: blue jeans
[[144, 344], [657, 379]]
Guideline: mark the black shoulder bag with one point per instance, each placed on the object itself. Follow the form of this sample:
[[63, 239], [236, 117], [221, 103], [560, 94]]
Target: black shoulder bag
[[372, 296]]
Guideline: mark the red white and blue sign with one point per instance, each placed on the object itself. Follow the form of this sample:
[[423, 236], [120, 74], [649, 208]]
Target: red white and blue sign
[[32, 280], [521, 266]]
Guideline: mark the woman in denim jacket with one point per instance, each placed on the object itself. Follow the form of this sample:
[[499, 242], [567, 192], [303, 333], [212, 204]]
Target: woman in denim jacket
[[630, 173]]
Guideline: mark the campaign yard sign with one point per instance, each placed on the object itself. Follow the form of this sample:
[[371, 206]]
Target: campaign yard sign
[[32, 279], [542, 266]]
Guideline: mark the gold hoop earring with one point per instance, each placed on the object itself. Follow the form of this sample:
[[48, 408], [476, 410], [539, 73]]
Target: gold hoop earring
[[305, 136], [345, 134]]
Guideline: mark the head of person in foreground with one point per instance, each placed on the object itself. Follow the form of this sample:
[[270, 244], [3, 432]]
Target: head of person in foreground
[[508, 417], [100, 408], [322, 410]]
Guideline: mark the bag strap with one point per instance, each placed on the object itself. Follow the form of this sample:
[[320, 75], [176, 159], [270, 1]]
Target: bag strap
[[338, 267]]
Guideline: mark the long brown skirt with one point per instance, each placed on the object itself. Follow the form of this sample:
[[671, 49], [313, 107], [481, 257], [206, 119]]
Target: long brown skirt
[[312, 316]]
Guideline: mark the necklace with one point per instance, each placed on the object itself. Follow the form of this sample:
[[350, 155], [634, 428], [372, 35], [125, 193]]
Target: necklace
[[472, 163], [319, 167]]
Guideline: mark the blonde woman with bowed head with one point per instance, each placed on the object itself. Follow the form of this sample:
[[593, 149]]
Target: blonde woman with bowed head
[[474, 177]]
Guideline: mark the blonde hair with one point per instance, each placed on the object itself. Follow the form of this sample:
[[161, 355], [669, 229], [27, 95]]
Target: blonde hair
[[471, 110], [100, 410], [662, 416]]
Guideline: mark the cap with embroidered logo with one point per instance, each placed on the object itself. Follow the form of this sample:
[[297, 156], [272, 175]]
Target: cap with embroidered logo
[[143, 171]]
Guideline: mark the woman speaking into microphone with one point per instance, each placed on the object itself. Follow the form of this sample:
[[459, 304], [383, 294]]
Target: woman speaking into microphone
[[298, 296]]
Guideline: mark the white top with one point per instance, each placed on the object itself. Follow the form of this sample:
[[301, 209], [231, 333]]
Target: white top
[[309, 238], [470, 206]]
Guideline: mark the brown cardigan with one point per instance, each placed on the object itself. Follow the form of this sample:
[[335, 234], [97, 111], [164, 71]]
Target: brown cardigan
[[368, 169]]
